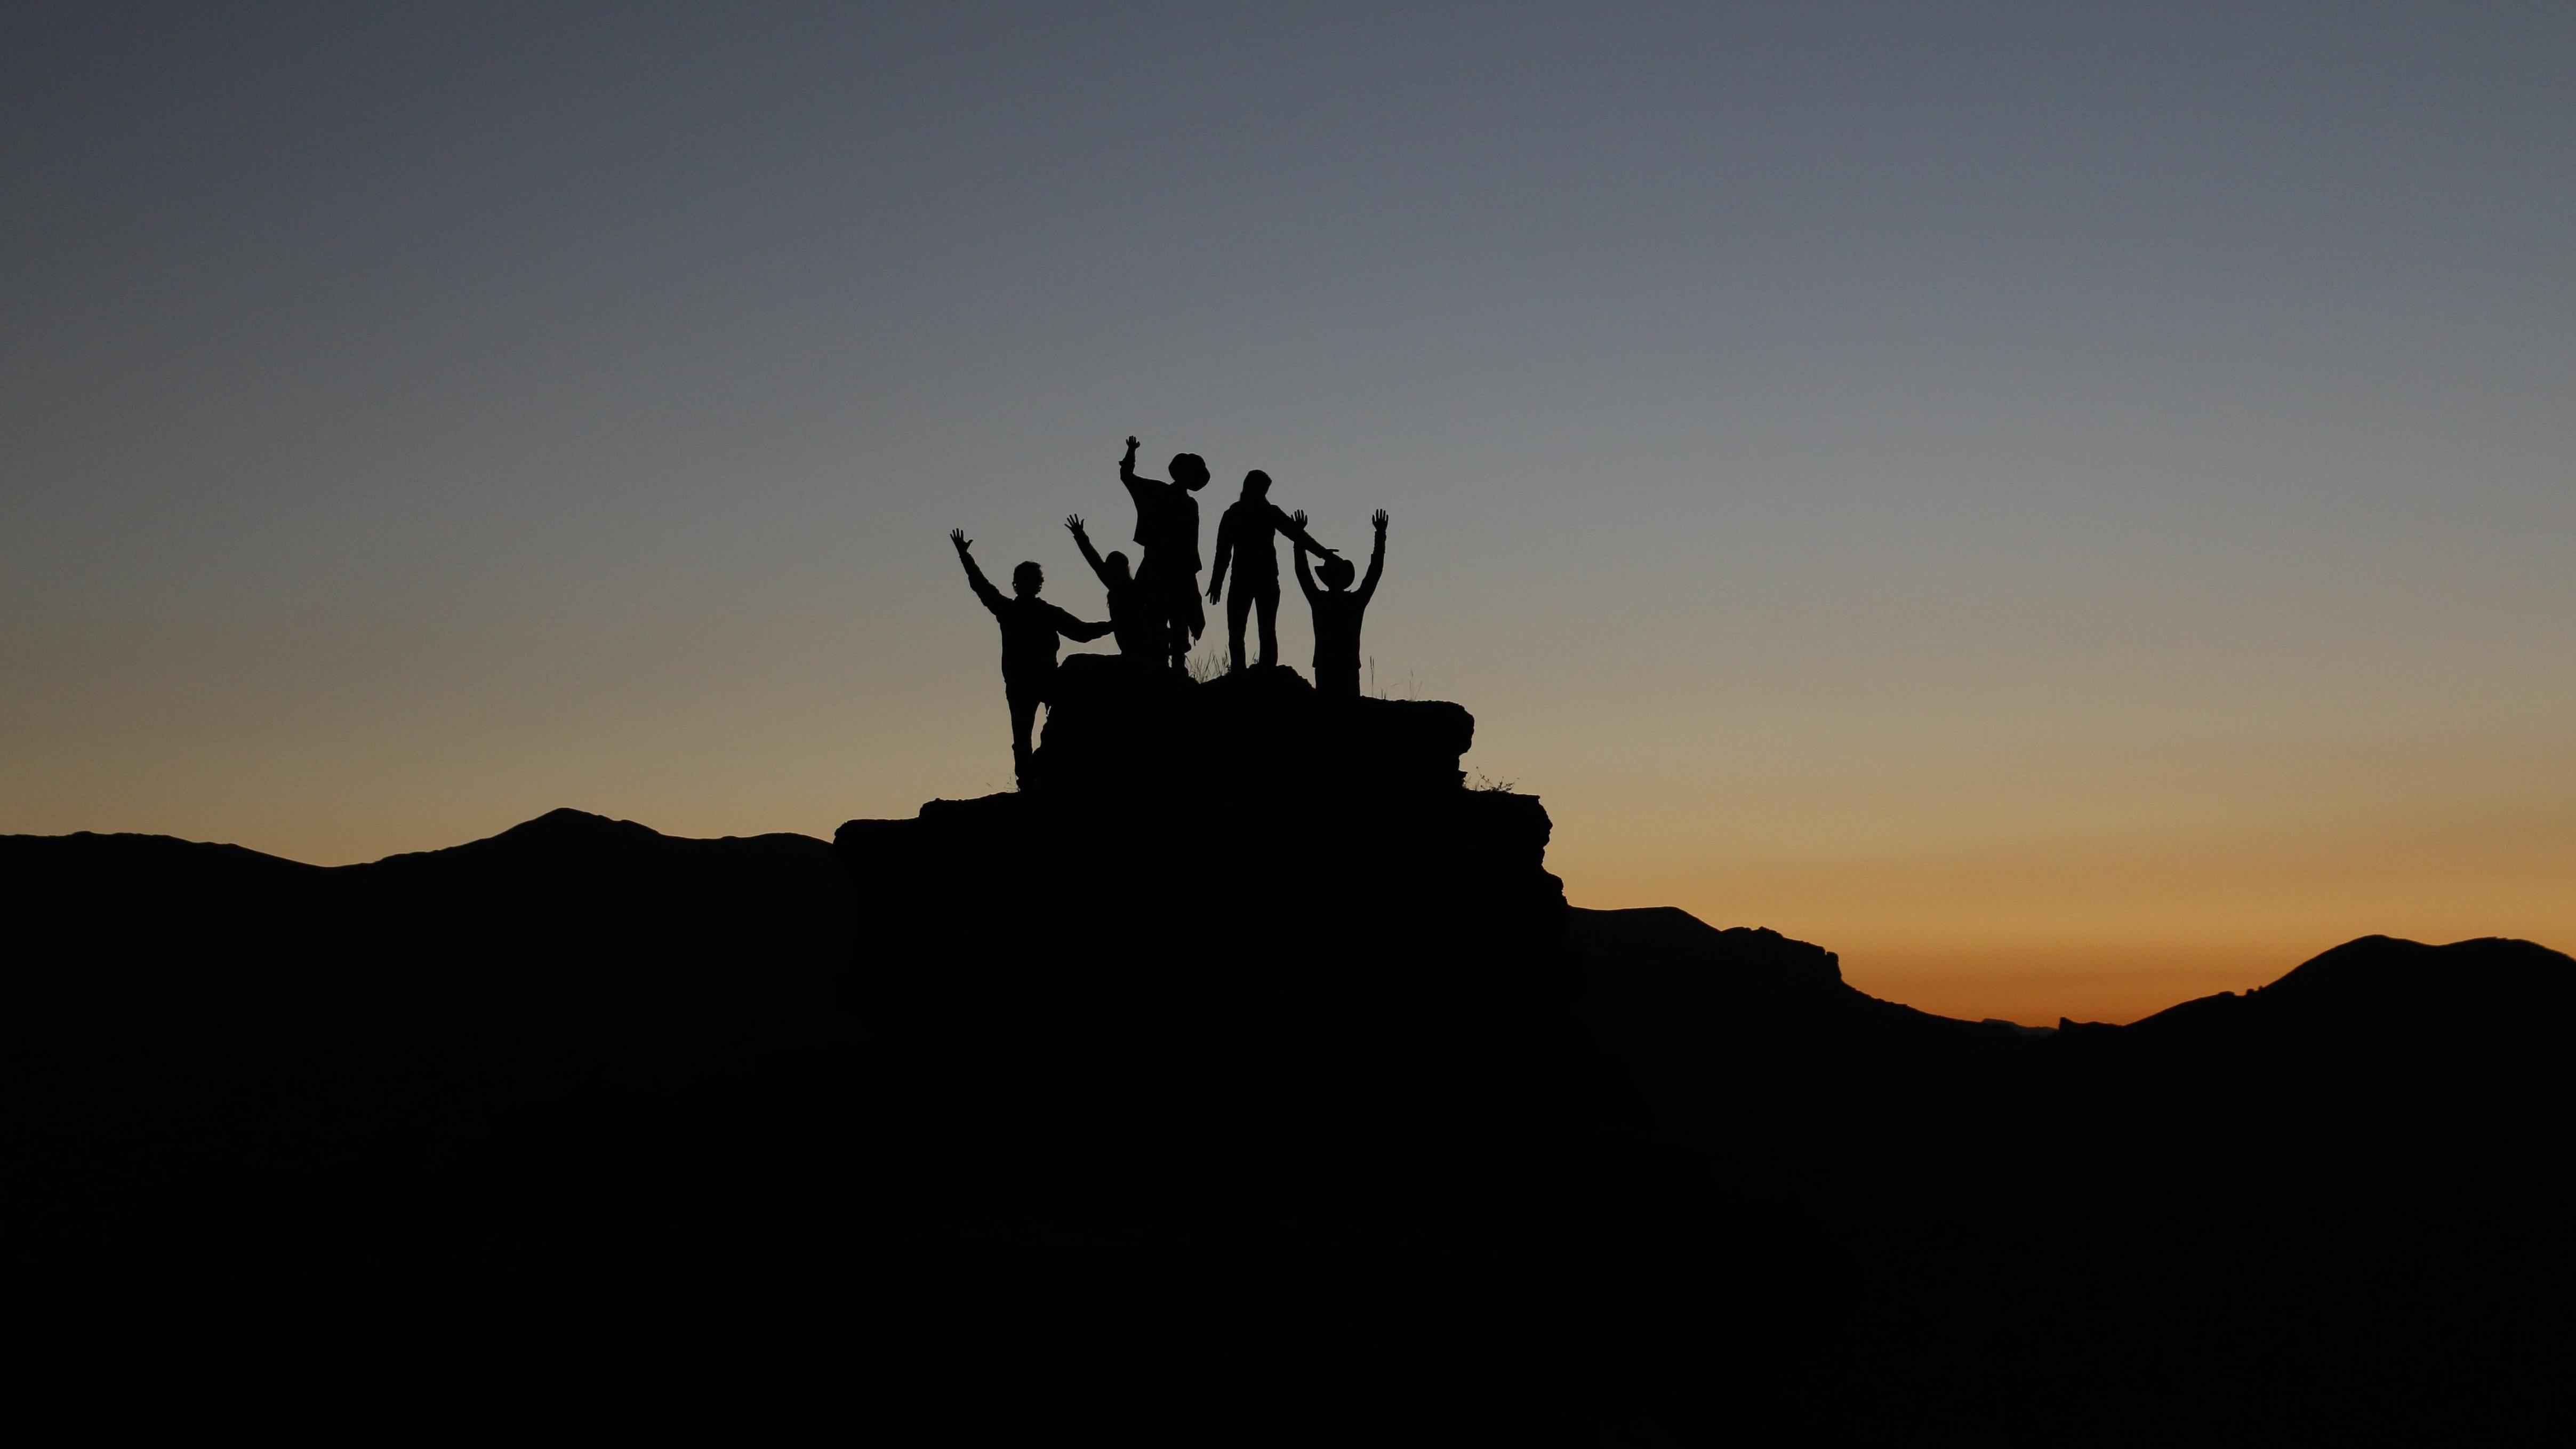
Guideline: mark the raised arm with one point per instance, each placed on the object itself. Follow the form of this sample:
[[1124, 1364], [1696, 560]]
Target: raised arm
[[983, 587], [1377, 558], [1294, 525], [1090, 555], [1127, 472], [1297, 556]]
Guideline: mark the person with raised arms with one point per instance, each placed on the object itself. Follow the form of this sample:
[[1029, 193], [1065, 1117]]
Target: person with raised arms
[[1337, 608], [1134, 617], [1167, 529], [1030, 627]]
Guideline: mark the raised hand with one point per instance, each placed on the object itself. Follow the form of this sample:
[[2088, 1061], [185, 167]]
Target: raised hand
[[1073, 524], [958, 537], [1379, 518], [1299, 518]]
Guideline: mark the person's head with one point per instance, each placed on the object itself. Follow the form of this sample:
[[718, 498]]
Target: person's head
[[1190, 471], [1116, 563], [1256, 485], [1027, 579], [1336, 573]]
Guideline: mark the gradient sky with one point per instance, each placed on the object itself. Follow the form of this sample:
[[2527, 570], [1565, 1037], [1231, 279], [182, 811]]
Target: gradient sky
[[2068, 506]]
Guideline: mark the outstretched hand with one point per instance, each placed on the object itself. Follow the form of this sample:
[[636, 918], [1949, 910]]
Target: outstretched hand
[[958, 537], [1379, 518], [1299, 518], [1073, 524]]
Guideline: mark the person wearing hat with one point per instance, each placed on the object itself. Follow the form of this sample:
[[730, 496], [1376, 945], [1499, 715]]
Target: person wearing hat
[[1167, 529], [1338, 607]]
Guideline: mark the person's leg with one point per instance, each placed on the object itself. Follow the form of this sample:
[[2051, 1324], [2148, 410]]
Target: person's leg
[[1266, 600], [1024, 719], [1188, 619], [1342, 681], [1154, 585], [1238, 604]]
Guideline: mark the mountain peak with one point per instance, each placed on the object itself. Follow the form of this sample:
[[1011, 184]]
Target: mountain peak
[[564, 821], [2386, 984], [2378, 967]]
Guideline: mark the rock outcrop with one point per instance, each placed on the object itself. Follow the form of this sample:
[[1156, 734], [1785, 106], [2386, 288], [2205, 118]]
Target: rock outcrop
[[1247, 992], [1227, 924]]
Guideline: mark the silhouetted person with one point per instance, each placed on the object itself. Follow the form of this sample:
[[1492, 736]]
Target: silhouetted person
[[1029, 629], [1167, 528], [1244, 537], [1135, 617], [1337, 613]]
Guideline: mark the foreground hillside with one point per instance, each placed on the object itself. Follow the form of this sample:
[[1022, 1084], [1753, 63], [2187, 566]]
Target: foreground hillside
[[168, 997], [2322, 1207], [991, 1106]]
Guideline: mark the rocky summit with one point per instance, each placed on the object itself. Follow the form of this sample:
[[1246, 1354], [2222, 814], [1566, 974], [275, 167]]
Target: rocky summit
[[1378, 968]]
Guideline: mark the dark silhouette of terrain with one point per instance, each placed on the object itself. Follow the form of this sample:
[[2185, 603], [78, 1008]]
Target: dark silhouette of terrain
[[501, 1098], [166, 995], [1002, 1109], [2324, 1208]]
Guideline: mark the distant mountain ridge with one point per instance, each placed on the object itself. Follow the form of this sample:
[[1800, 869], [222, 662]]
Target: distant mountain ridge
[[163, 990], [1678, 999]]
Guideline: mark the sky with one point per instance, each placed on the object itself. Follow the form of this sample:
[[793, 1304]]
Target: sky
[[2067, 506]]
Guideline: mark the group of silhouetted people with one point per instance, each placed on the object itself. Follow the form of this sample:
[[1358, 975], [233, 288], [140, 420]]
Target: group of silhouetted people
[[1154, 610]]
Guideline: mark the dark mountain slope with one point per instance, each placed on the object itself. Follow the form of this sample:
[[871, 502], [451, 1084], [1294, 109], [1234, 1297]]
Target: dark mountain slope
[[1750, 1046], [573, 1086], [2329, 1205], [164, 996], [1717, 1025]]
